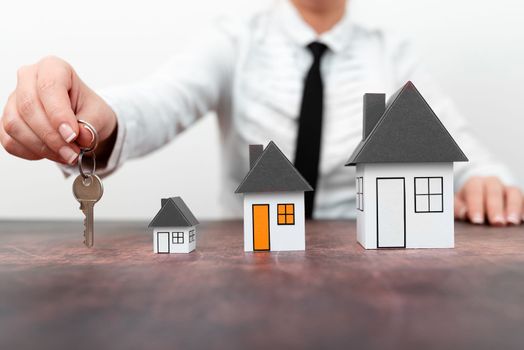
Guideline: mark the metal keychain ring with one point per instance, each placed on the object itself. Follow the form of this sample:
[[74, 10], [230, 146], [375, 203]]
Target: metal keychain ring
[[93, 132], [84, 174]]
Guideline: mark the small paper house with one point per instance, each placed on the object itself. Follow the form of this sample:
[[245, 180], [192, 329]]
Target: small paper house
[[404, 174], [274, 217], [174, 227]]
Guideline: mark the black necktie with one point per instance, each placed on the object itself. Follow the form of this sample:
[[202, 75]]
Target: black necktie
[[307, 154]]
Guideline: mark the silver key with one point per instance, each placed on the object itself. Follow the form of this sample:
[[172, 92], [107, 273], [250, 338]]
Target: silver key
[[88, 191]]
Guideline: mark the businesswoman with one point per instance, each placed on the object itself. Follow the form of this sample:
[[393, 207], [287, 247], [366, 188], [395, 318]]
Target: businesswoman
[[268, 77]]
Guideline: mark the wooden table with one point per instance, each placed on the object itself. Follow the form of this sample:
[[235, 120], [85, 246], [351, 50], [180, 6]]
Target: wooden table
[[57, 294]]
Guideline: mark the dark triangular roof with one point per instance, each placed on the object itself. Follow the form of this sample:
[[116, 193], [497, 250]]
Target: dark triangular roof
[[273, 172], [408, 131], [174, 213]]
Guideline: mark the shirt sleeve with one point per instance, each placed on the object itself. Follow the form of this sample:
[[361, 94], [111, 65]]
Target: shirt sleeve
[[407, 66], [196, 80]]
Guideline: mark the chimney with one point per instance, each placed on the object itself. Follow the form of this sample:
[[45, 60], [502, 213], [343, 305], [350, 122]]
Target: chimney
[[374, 108], [254, 153], [163, 201]]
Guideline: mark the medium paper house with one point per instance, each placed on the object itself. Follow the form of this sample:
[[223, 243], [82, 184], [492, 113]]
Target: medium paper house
[[274, 217], [174, 227], [404, 174]]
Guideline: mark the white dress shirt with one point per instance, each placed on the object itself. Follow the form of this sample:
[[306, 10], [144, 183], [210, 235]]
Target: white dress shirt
[[251, 74]]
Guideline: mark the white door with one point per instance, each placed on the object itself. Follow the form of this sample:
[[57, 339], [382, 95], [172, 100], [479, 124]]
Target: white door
[[391, 212], [162, 241]]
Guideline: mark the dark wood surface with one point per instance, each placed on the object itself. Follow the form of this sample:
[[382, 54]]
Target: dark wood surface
[[57, 294]]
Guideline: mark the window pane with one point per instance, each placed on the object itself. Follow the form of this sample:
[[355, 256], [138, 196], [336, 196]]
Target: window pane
[[290, 209], [281, 219], [178, 237], [290, 219], [421, 185], [435, 185], [361, 202], [358, 184], [281, 209], [421, 203], [435, 202]]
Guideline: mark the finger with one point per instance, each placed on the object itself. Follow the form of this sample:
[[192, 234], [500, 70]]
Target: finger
[[14, 147], [54, 80], [514, 205], [17, 129], [494, 199], [474, 199], [86, 136], [32, 112], [96, 112], [523, 210], [460, 208]]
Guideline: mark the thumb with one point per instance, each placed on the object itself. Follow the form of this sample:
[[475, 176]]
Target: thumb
[[99, 115], [55, 80]]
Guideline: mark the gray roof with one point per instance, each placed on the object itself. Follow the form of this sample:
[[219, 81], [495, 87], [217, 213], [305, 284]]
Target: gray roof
[[173, 213], [408, 131], [273, 172]]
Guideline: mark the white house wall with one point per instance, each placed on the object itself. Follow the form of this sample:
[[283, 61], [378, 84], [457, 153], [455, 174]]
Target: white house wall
[[282, 237], [423, 230], [185, 247]]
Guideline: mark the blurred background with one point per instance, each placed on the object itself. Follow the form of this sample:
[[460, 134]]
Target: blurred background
[[472, 47]]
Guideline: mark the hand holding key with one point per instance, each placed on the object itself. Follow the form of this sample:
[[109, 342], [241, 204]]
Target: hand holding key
[[39, 119], [88, 188]]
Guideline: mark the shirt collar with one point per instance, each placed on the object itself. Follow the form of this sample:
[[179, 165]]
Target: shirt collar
[[302, 34]]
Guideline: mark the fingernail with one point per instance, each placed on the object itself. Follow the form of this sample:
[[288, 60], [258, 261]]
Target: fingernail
[[67, 132], [499, 219], [67, 154], [514, 219], [477, 219]]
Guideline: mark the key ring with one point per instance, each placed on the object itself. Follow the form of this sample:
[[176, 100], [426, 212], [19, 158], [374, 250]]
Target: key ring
[[87, 174], [93, 132], [90, 149]]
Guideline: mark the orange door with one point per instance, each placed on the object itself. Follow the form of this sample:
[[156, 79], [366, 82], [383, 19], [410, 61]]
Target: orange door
[[260, 226]]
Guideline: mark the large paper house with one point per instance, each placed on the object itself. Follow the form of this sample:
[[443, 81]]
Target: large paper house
[[404, 174], [274, 216]]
